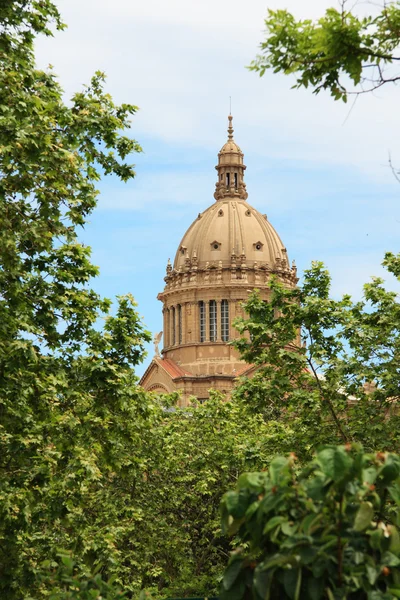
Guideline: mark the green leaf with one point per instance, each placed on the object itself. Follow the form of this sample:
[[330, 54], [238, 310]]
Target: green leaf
[[279, 470], [315, 588], [330, 594], [372, 574], [364, 516], [262, 581], [390, 560], [232, 572], [292, 583], [394, 492], [288, 528], [390, 470], [394, 546], [335, 463], [307, 553], [254, 481], [236, 593], [273, 522], [236, 503], [375, 538], [369, 475]]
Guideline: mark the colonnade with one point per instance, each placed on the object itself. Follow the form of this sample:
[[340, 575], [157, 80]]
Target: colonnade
[[203, 321]]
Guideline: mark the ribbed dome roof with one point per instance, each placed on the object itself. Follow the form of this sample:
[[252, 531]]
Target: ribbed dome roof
[[230, 234], [229, 147], [231, 226]]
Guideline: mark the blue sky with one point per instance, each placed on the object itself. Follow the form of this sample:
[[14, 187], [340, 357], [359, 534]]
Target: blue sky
[[320, 173]]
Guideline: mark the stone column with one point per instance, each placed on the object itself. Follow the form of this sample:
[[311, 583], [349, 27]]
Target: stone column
[[195, 317], [172, 326], [207, 309], [189, 323], [165, 328], [232, 314], [184, 310], [219, 327]]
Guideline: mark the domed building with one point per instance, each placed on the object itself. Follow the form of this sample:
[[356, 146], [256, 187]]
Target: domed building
[[229, 250]]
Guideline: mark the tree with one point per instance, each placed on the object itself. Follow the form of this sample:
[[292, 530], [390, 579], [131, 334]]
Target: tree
[[71, 585], [328, 369], [73, 422], [338, 47], [340, 382], [324, 532], [202, 451]]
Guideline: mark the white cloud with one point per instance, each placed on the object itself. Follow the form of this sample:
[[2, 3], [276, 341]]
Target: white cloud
[[180, 61]]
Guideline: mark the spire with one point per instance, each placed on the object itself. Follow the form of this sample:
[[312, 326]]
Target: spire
[[230, 128], [230, 169]]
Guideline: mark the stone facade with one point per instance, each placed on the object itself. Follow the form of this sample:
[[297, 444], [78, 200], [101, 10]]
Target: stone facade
[[229, 250]]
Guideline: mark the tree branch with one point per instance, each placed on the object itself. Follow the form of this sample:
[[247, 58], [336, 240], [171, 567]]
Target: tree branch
[[396, 174], [324, 398]]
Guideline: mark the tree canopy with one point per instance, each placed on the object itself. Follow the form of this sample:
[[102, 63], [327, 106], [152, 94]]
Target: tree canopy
[[329, 365], [70, 408], [339, 50], [104, 486], [323, 532]]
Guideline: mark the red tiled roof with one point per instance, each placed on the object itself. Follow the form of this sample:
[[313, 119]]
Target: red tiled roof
[[175, 371], [172, 368], [243, 370]]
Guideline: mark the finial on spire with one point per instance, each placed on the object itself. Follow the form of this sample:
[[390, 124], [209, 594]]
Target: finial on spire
[[230, 128]]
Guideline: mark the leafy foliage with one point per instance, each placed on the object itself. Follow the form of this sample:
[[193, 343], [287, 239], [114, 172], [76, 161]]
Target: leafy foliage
[[204, 449], [327, 367], [68, 584], [125, 483], [319, 533], [338, 47], [72, 417]]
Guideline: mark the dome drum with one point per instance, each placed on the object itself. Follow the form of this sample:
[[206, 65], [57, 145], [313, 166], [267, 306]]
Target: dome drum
[[231, 159]]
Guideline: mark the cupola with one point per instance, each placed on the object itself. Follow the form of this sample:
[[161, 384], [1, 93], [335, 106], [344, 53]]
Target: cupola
[[230, 169]]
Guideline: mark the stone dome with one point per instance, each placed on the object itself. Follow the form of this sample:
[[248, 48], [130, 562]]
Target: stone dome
[[231, 227], [231, 231], [230, 146]]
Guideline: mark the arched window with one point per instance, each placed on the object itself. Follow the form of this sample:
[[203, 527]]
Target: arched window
[[179, 324], [236, 181], [228, 179], [173, 330], [213, 321], [202, 321], [225, 321]]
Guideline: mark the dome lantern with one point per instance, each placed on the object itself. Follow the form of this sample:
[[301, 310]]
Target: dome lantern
[[230, 169]]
